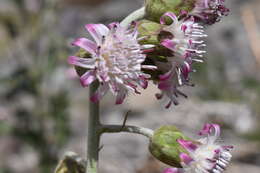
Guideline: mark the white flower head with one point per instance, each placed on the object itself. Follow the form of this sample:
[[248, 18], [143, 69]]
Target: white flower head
[[116, 60]]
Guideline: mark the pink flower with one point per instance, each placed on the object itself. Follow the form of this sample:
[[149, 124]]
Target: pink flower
[[210, 11], [206, 155], [186, 45], [116, 60]]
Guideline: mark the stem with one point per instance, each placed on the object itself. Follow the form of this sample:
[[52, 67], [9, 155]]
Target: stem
[[130, 129], [93, 133], [136, 15]]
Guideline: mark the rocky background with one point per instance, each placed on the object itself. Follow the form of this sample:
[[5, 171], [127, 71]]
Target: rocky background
[[43, 109]]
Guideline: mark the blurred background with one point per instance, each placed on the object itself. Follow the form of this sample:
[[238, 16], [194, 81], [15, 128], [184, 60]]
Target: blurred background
[[43, 108]]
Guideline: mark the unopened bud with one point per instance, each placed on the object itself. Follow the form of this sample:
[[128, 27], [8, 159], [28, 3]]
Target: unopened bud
[[156, 8], [165, 147]]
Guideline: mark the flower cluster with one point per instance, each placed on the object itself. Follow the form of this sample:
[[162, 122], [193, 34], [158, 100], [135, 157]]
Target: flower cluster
[[204, 155], [210, 11], [121, 59]]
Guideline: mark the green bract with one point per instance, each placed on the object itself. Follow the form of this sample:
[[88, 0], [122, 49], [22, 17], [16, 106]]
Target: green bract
[[156, 8], [82, 54], [164, 145]]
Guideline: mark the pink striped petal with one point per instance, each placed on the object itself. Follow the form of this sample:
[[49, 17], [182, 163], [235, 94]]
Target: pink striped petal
[[86, 44], [120, 97], [97, 31], [143, 82], [188, 145], [88, 63], [169, 14], [186, 69], [169, 44], [186, 158], [87, 78], [166, 76], [207, 129], [101, 91]]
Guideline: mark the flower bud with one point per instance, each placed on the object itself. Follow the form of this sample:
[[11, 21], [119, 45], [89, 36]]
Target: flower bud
[[164, 145], [156, 8], [149, 31], [202, 155]]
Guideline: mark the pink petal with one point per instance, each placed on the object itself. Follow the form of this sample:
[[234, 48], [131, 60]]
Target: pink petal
[[166, 76], [169, 14], [143, 82], [207, 129], [113, 25], [86, 44], [88, 63], [101, 91], [173, 170], [168, 44], [121, 96], [87, 78], [97, 31], [165, 85], [188, 145], [186, 158]]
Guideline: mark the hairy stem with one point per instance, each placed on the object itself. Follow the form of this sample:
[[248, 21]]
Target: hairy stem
[[136, 15], [93, 133], [129, 129]]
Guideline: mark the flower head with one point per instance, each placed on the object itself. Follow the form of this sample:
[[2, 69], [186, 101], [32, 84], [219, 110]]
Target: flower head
[[204, 155], [186, 45], [210, 11], [115, 60]]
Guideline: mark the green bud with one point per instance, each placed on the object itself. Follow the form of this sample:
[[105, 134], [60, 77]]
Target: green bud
[[164, 145], [149, 30], [156, 8], [82, 54]]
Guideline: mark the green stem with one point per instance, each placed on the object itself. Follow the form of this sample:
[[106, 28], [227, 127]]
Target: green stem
[[129, 129], [93, 133], [136, 15]]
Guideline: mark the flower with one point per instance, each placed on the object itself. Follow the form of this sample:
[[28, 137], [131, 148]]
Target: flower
[[209, 11], [204, 155], [185, 43], [116, 60]]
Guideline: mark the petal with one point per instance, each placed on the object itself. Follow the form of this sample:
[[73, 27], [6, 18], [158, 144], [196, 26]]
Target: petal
[[169, 14], [188, 145], [207, 130], [149, 67], [88, 63], [143, 82], [186, 158], [97, 31], [87, 78], [86, 44], [101, 91], [166, 76], [165, 85], [173, 170], [120, 97], [169, 44]]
